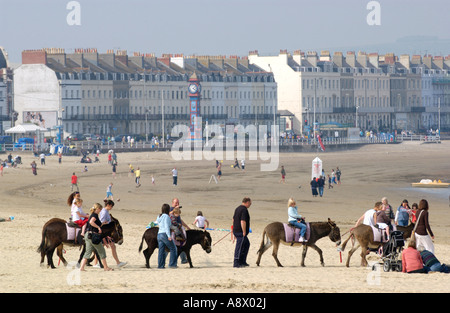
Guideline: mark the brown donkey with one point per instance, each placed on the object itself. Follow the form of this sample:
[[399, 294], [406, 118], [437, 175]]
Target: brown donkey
[[274, 233], [364, 235], [54, 236]]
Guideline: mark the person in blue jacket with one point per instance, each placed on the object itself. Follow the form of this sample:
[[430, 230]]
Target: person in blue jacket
[[165, 239], [295, 219]]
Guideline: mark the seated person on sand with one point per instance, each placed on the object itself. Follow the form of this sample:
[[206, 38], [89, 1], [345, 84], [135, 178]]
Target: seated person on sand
[[295, 219], [429, 260], [176, 226]]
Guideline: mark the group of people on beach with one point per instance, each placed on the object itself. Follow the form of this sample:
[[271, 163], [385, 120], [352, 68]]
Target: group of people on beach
[[91, 223], [236, 165], [419, 256], [318, 183]]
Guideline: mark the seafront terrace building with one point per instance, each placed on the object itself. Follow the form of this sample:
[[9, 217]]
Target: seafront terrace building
[[114, 93], [6, 79], [368, 91]]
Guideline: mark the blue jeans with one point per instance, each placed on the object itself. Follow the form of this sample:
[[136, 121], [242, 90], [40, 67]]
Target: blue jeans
[[163, 242], [241, 250], [301, 226], [321, 191]]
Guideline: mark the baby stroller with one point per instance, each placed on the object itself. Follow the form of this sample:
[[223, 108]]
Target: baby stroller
[[18, 160], [390, 252]]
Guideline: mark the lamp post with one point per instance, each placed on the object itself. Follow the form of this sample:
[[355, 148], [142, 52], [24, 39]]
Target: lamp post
[[439, 116], [162, 111], [146, 123], [356, 121], [314, 109], [144, 98]]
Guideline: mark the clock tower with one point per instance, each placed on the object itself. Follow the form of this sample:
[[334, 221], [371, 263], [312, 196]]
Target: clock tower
[[194, 89]]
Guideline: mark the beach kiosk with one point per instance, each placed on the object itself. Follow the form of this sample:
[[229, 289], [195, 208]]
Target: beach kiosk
[[316, 168]]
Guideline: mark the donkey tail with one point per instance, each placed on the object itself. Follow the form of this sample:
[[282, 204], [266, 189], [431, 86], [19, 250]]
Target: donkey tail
[[41, 248], [264, 245], [142, 242], [342, 248]]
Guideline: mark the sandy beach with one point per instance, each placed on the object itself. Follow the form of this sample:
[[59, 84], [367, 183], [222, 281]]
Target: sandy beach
[[368, 174]]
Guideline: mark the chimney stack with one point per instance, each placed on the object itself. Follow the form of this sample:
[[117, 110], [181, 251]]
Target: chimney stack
[[34, 57], [338, 59], [374, 59], [404, 60], [351, 59], [362, 59]]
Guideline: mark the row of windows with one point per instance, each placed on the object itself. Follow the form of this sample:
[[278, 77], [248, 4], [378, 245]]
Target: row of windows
[[383, 101], [230, 111], [364, 83], [166, 94]]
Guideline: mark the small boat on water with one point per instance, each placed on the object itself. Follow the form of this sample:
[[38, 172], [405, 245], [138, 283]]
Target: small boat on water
[[428, 183]]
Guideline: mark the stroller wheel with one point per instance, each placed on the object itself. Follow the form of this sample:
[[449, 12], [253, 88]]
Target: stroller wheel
[[387, 265]]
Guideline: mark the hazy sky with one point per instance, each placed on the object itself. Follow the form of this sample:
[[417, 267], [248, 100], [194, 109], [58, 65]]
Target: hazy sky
[[225, 27]]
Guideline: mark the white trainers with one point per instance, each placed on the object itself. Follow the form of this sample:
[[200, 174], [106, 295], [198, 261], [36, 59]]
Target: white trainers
[[122, 264], [302, 239]]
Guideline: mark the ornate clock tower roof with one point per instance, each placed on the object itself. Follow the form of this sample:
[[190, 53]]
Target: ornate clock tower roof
[[193, 77]]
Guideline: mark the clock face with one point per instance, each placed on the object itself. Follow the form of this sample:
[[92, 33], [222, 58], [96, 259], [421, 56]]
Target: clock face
[[193, 88]]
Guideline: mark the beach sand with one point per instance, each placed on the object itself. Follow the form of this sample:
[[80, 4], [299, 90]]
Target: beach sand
[[368, 174]]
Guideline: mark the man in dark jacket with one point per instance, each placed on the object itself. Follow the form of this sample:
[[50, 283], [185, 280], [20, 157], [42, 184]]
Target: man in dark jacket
[[241, 228]]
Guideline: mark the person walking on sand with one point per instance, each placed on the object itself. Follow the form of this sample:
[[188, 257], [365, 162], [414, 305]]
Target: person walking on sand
[[236, 164], [200, 221], [94, 225], [219, 171], [105, 218], [74, 181], [241, 228], [42, 156], [313, 184], [283, 175], [175, 176], [338, 175], [138, 177], [114, 169], [34, 168], [109, 194], [333, 176]]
